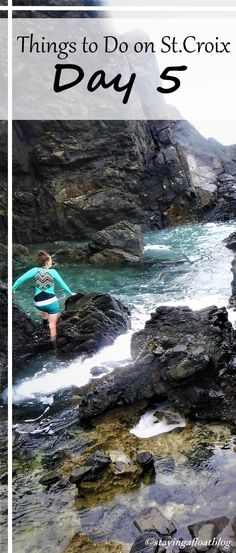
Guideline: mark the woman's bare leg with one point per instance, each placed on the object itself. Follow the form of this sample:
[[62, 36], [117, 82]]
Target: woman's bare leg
[[44, 315], [52, 320]]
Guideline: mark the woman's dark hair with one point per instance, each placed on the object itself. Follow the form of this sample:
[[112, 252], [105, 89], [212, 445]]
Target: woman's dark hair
[[43, 257]]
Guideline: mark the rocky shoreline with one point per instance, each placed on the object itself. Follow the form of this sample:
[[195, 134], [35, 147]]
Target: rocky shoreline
[[183, 366]]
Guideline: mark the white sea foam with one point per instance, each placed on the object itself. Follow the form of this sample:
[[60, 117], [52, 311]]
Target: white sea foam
[[77, 373], [157, 247], [148, 426]]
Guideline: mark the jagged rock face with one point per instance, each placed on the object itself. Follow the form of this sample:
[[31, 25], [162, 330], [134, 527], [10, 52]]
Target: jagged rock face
[[3, 337], [90, 322], [184, 355], [119, 244], [78, 177], [232, 299], [23, 328], [65, 3], [29, 338], [3, 182]]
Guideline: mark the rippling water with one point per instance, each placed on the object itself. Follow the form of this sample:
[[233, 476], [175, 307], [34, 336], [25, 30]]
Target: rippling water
[[187, 265]]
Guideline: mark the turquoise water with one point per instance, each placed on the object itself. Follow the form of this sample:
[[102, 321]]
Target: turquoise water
[[188, 265], [184, 263]]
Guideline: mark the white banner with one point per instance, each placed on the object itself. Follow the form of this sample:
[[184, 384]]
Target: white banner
[[150, 68], [3, 69]]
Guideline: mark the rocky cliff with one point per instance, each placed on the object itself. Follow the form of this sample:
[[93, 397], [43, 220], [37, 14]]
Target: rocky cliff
[[3, 182], [72, 178]]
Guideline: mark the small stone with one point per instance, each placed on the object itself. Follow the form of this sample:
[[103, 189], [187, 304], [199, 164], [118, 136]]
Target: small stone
[[152, 519], [97, 371], [181, 348], [197, 351], [79, 474], [99, 460], [158, 351], [50, 478], [145, 459]]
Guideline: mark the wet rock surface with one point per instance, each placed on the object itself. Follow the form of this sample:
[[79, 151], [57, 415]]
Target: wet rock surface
[[3, 186], [29, 338], [81, 542], [3, 336], [152, 519], [230, 241], [119, 244], [181, 354], [147, 543], [106, 507], [90, 322], [232, 299], [217, 534]]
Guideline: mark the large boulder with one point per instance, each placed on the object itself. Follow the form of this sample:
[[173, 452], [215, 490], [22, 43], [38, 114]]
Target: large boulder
[[183, 355], [118, 244], [90, 322], [230, 241], [3, 336]]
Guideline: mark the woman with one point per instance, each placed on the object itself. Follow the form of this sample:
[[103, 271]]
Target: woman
[[45, 299]]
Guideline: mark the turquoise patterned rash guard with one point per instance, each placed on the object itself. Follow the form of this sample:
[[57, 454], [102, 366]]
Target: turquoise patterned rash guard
[[44, 279]]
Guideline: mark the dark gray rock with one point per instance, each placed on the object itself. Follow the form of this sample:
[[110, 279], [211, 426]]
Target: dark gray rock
[[72, 255], [99, 460], [97, 371], [147, 543], [90, 322], [50, 478], [230, 241], [145, 459], [195, 378], [206, 531], [232, 299], [78, 475], [4, 479], [152, 519], [3, 192], [22, 258], [29, 338], [118, 244], [92, 470], [3, 336]]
